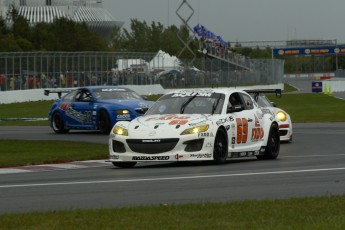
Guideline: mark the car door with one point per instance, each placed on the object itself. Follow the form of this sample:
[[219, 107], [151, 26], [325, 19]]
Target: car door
[[248, 127], [82, 109]]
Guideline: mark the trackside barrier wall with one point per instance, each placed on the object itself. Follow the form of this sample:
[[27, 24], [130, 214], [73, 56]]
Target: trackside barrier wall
[[8, 97]]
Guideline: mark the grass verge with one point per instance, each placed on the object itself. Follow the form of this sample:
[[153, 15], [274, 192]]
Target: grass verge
[[19, 153], [295, 213], [311, 107]]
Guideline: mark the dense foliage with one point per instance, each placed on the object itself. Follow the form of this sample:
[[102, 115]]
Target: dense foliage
[[66, 35]]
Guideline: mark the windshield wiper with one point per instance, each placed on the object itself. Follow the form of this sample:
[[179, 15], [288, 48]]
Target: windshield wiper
[[184, 105]]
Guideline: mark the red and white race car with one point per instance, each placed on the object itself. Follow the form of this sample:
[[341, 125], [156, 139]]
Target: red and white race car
[[197, 125]]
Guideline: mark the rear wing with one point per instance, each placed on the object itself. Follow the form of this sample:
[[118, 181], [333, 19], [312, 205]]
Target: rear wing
[[59, 91], [256, 92]]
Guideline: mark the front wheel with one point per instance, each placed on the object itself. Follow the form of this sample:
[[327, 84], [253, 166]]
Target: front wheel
[[104, 123], [273, 144], [57, 123], [124, 164], [220, 150]]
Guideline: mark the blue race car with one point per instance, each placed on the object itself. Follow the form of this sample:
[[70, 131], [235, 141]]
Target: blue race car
[[95, 108]]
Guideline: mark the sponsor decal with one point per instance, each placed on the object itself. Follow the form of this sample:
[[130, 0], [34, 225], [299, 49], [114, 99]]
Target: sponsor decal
[[257, 134], [151, 141], [257, 123], [174, 119], [123, 117], [111, 90], [201, 155], [233, 140], [227, 127], [150, 158], [143, 105], [242, 154], [223, 120], [205, 135], [114, 157], [78, 116], [177, 156], [209, 144], [191, 94]]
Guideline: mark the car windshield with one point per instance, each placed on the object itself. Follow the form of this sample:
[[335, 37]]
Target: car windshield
[[176, 103], [115, 93]]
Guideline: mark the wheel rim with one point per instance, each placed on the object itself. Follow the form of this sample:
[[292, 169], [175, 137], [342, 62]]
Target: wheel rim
[[220, 147], [57, 122]]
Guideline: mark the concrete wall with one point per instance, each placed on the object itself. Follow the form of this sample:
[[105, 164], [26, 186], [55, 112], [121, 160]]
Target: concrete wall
[[8, 97]]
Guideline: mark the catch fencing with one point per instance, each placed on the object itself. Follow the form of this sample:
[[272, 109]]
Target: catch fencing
[[35, 70]]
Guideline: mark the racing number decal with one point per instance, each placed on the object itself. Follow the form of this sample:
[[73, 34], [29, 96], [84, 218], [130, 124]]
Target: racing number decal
[[242, 130], [178, 122]]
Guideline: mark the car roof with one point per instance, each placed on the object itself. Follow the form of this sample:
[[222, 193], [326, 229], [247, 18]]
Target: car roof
[[210, 90]]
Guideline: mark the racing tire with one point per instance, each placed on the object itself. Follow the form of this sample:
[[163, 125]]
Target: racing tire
[[104, 122], [220, 149], [124, 164], [57, 123], [273, 144]]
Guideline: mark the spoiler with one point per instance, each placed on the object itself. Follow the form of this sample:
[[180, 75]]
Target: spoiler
[[278, 92], [256, 92], [59, 91]]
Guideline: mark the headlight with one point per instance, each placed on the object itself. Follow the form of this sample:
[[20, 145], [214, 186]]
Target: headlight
[[195, 130], [122, 112], [120, 131], [281, 116]]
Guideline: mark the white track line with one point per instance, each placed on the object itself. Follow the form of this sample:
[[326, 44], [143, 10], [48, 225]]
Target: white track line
[[172, 178]]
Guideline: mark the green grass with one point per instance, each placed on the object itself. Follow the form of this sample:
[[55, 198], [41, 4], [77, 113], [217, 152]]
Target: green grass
[[289, 88], [18, 152], [311, 107], [296, 213]]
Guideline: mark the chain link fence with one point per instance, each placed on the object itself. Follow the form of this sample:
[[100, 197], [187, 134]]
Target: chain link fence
[[22, 71]]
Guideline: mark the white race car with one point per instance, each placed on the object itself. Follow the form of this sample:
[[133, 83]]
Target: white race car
[[284, 119], [197, 125]]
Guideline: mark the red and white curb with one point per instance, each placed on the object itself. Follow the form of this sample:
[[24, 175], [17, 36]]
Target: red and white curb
[[53, 167]]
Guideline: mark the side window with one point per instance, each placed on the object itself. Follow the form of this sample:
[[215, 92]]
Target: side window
[[248, 102], [83, 96], [234, 100], [70, 96]]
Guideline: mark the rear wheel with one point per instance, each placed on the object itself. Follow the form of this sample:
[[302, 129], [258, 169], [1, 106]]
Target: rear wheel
[[124, 164], [220, 150], [273, 144], [57, 123], [104, 122]]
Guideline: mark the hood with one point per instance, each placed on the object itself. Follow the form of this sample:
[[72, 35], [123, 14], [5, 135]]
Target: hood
[[165, 126], [128, 103]]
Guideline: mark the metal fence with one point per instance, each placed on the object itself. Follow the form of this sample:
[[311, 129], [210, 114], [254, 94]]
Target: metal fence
[[21, 71]]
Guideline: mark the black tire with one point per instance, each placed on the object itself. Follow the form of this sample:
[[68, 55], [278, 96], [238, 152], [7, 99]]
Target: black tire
[[124, 164], [57, 123], [273, 144], [220, 149], [104, 122]]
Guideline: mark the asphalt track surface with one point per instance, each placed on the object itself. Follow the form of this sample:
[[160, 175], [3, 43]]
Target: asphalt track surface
[[313, 165]]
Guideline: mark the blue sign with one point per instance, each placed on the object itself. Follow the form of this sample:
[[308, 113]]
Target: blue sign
[[309, 51], [316, 87]]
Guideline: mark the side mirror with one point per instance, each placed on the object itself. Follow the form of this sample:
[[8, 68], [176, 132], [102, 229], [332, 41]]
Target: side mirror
[[233, 109]]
